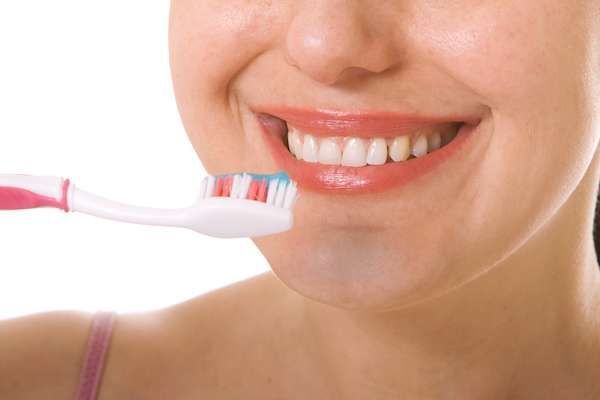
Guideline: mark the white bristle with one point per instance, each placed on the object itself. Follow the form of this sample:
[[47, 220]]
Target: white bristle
[[246, 181], [210, 186], [290, 195], [202, 191], [235, 186], [272, 191], [241, 186], [280, 195]]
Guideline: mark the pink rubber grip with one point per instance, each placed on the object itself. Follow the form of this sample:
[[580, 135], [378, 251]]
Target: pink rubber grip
[[12, 198]]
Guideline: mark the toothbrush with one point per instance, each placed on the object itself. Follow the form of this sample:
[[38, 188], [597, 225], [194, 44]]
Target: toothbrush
[[228, 206]]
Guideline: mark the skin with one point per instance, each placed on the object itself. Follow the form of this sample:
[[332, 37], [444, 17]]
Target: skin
[[483, 285], [479, 281]]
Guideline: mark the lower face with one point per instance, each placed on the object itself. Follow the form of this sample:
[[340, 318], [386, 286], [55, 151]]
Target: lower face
[[389, 214]]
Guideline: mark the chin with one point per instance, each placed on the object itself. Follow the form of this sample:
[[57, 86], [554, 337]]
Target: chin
[[355, 269]]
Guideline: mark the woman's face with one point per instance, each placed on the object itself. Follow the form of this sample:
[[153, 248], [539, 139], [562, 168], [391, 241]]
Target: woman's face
[[523, 69]]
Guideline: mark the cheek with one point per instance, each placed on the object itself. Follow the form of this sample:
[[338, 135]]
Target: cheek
[[526, 61], [210, 42], [506, 51]]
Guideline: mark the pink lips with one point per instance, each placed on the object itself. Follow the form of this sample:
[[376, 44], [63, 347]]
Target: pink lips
[[367, 179]]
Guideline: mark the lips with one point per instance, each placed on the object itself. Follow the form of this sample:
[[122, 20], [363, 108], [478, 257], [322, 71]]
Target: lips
[[354, 180]]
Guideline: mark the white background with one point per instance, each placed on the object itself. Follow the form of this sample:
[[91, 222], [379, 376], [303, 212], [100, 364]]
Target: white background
[[85, 93]]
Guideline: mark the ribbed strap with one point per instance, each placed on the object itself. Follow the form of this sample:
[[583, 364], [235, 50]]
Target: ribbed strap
[[97, 345]]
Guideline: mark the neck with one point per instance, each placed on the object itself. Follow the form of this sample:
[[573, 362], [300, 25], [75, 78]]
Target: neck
[[524, 327]]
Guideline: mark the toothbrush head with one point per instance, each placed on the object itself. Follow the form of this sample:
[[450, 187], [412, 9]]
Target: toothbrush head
[[243, 205], [277, 189]]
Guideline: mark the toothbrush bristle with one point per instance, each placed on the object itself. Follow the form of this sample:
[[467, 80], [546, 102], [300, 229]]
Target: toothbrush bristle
[[252, 190], [227, 186], [262, 191], [277, 189], [218, 187]]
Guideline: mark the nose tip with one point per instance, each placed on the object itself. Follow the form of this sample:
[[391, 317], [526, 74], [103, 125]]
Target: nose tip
[[336, 47]]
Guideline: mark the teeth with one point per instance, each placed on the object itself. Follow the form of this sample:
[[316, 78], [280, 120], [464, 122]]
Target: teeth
[[295, 143], [355, 153], [310, 149], [419, 146], [400, 148], [329, 152], [290, 141], [377, 152], [358, 152], [435, 141]]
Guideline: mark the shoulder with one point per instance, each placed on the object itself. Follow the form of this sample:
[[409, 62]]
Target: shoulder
[[41, 354], [195, 347], [210, 346]]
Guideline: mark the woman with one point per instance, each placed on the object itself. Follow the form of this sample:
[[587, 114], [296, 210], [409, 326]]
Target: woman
[[462, 268]]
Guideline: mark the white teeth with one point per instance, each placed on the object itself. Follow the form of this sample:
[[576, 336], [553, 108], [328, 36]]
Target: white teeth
[[358, 152], [295, 143], [310, 149], [329, 152], [291, 144], [400, 148], [435, 141], [355, 153], [419, 146], [377, 152]]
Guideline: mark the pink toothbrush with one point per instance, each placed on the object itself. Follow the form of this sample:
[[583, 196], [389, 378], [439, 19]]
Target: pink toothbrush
[[228, 206]]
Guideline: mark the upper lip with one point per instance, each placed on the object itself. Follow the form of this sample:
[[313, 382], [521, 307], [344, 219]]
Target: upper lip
[[360, 124]]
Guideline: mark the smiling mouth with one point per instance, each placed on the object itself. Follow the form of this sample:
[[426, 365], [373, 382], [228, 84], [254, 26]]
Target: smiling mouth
[[355, 151], [342, 152]]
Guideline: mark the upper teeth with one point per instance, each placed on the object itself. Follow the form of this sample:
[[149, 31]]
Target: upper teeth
[[358, 152]]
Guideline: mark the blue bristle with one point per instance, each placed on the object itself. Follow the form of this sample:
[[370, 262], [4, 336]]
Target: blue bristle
[[282, 176]]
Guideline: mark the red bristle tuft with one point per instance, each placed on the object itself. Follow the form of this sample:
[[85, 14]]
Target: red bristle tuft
[[252, 190], [262, 191], [218, 187], [227, 186]]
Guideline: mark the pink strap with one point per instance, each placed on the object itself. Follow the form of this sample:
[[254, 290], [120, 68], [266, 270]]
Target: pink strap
[[97, 345]]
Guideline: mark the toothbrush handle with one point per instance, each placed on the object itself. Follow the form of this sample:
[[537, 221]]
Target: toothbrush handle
[[91, 204], [19, 191]]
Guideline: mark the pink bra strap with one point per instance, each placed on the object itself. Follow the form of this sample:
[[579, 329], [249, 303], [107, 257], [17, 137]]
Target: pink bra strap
[[97, 345]]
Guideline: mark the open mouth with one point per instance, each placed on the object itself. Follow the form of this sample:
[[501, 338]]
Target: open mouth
[[353, 153]]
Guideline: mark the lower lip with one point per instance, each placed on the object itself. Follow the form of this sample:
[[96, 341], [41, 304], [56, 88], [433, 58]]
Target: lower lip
[[354, 180]]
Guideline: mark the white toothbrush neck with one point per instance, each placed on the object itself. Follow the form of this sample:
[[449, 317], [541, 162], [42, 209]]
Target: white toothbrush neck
[[92, 204]]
